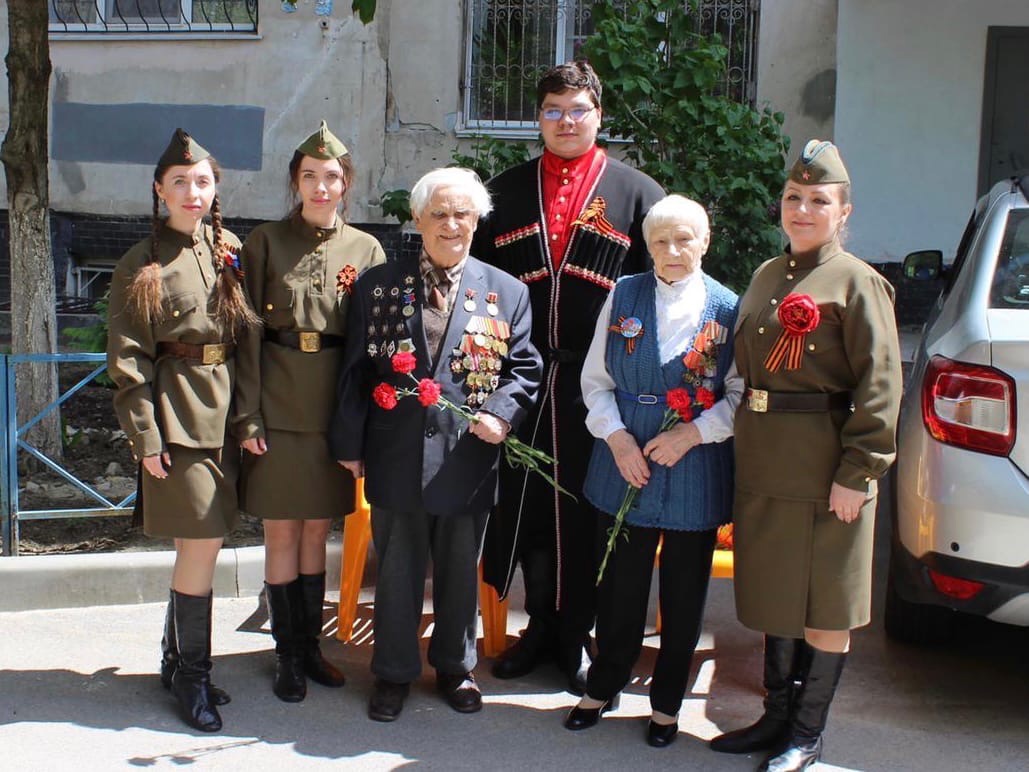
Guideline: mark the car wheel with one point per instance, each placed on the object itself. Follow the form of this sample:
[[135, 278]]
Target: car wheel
[[917, 623]]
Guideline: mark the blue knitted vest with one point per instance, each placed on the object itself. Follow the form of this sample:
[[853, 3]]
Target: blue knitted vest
[[696, 493]]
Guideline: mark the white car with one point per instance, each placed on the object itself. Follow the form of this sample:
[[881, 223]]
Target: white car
[[961, 484]]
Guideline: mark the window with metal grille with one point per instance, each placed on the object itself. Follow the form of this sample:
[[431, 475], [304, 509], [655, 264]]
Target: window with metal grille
[[153, 16], [510, 43]]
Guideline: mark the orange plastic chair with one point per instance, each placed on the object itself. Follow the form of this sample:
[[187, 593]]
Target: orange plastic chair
[[356, 535]]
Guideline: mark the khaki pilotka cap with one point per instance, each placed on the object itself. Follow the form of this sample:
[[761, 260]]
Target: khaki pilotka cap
[[323, 145], [183, 150], [819, 164]]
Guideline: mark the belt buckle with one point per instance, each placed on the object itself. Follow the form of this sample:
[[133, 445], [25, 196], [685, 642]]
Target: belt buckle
[[214, 354], [757, 400], [646, 399], [310, 342]]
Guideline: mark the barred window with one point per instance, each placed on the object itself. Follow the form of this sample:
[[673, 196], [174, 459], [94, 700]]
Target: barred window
[[510, 43], [153, 16]]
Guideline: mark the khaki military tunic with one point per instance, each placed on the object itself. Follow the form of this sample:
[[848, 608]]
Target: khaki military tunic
[[796, 564], [167, 403], [296, 276]]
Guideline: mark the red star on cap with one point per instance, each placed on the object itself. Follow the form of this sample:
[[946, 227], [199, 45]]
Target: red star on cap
[[187, 155], [806, 175], [321, 148]]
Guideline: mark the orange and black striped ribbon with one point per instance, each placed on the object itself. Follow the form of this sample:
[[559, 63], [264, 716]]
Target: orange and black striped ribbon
[[788, 350]]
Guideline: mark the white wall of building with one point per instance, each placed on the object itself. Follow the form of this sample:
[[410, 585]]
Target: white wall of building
[[909, 114], [796, 66]]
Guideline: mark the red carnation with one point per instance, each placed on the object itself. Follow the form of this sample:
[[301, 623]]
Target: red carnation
[[706, 397], [680, 401], [428, 392], [385, 396], [403, 362], [799, 314]]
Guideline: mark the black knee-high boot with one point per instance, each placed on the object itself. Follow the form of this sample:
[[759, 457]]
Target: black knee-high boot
[[285, 608], [316, 667], [170, 655], [191, 681], [810, 711], [783, 664]]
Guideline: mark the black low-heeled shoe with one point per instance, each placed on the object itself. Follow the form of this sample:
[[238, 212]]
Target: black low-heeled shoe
[[583, 718], [661, 735]]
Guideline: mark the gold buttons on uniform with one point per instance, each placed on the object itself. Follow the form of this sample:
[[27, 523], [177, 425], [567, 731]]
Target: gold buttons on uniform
[[810, 346], [760, 330], [269, 307], [773, 301], [553, 237], [176, 312], [564, 181], [793, 263], [565, 170], [789, 276], [558, 217]]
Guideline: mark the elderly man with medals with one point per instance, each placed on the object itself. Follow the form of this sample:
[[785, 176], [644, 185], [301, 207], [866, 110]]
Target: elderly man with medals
[[454, 332]]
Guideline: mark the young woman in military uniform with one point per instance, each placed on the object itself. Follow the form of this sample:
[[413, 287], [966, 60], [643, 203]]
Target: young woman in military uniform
[[299, 275], [175, 311], [816, 343]]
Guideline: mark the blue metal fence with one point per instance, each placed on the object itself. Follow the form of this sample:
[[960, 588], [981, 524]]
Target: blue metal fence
[[14, 441]]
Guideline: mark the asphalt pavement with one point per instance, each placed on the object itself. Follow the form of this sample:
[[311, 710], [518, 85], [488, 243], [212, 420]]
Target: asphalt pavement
[[79, 648]]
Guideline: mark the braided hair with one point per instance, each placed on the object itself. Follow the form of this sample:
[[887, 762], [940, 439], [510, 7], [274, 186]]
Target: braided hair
[[146, 288]]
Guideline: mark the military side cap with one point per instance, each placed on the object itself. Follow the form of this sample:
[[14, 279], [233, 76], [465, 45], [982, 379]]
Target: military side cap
[[819, 164], [183, 150], [323, 144]]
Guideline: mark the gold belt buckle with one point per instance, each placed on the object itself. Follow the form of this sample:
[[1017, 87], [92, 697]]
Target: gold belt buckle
[[214, 353], [310, 342], [757, 400]]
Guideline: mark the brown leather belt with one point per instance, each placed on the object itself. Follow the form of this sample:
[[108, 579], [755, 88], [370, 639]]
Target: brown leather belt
[[308, 342], [761, 401], [204, 353]]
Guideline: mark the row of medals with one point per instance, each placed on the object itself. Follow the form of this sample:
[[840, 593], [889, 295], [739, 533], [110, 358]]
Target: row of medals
[[483, 347], [383, 323]]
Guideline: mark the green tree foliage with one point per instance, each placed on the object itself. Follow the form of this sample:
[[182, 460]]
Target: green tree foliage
[[661, 91]]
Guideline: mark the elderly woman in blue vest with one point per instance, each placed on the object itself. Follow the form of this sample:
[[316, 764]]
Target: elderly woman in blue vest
[[660, 331]]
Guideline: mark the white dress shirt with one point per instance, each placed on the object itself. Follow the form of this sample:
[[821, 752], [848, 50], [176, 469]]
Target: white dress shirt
[[679, 308]]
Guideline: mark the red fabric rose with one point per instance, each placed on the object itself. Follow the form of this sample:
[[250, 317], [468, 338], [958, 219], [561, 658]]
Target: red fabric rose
[[799, 314], [428, 392], [680, 401], [403, 362], [706, 397], [385, 396]]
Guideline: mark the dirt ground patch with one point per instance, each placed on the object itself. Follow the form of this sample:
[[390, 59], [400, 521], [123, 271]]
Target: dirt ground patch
[[95, 452]]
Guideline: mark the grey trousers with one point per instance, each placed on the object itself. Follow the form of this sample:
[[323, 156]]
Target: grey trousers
[[404, 542]]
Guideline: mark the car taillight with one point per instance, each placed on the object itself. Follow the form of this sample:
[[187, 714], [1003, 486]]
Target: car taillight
[[969, 406], [953, 587]]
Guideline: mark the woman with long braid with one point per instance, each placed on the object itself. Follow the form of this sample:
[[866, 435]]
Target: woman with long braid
[[176, 310]]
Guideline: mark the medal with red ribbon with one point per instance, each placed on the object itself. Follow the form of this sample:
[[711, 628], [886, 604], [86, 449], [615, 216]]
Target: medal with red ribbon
[[630, 328], [798, 315]]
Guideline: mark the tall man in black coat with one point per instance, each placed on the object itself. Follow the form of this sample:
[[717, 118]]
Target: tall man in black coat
[[431, 476], [568, 224]]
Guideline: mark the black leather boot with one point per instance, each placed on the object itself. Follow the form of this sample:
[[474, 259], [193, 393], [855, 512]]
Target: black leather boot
[[810, 711], [534, 647], [782, 666], [285, 606], [316, 667], [170, 655], [191, 681]]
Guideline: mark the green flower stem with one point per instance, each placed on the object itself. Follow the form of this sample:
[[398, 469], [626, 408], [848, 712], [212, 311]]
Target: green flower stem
[[671, 418]]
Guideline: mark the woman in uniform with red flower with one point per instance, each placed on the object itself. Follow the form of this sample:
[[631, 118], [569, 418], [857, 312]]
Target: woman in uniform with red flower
[[300, 272], [661, 390], [817, 345]]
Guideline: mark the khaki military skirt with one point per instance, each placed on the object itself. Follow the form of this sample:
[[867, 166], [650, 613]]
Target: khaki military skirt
[[296, 479], [197, 500], [796, 565]]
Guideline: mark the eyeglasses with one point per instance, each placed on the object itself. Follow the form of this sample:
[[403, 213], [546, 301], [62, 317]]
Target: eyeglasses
[[575, 114]]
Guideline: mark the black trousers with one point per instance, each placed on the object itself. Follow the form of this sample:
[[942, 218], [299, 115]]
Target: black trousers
[[622, 610]]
